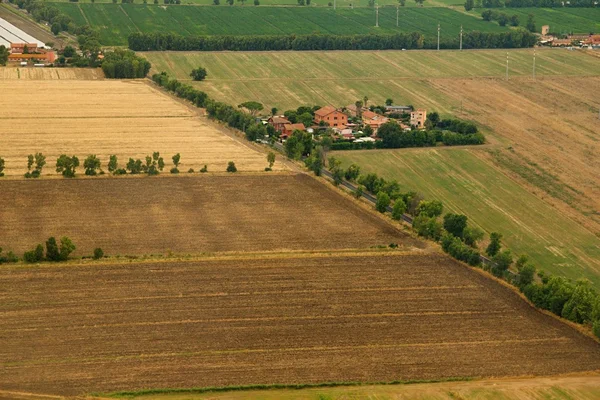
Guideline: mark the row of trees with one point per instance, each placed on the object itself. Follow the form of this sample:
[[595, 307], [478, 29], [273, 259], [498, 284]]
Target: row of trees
[[43, 11], [530, 3], [167, 41], [158, 41], [67, 166], [578, 302], [54, 252], [500, 17]]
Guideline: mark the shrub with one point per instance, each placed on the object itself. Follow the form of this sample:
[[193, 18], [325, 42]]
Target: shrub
[[67, 165], [52, 253], [360, 189], [204, 169], [399, 209], [98, 253], [191, 171], [198, 74], [66, 248], [494, 246], [231, 167], [34, 256], [428, 227], [432, 208]]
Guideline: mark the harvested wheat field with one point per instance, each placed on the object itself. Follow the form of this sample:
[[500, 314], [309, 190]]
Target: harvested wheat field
[[189, 214], [126, 118], [249, 320], [32, 73]]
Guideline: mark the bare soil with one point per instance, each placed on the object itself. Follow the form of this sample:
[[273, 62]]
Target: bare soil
[[188, 214], [229, 321]]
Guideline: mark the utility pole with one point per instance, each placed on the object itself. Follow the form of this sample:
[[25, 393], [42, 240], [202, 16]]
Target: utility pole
[[534, 64], [438, 37], [461, 32], [397, 12], [376, 15], [506, 65]]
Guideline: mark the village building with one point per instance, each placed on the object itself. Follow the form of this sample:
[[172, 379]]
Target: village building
[[24, 52], [374, 120], [331, 116], [278, 122], [418, 118], [398, 109], [288, 129]]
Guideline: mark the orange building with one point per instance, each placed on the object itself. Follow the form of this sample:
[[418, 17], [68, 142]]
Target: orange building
[[288, 129], [20, 47], [331, 116], [45, 58]]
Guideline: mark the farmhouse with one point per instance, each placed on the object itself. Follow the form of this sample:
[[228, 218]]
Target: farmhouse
[[288, 129], [30, 51], [278, 122], [331, 116], [374, 120], [418, 118]]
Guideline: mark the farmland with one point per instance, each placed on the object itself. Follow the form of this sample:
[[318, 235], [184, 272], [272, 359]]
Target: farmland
[[205, 213], [472, 186], [274, 79], [584, 387], [115, 21], [561, 21], [125, 118], [236, 320]]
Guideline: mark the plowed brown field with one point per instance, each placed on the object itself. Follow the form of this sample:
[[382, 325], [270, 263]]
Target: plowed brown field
[[228, 321], [126, 118], [188, 214]]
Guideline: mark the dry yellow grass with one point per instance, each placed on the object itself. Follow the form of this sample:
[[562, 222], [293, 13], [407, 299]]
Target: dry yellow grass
[[126, 118]]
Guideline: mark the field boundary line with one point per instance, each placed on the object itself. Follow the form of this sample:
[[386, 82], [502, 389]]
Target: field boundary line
[[83, 15], [128, 17]]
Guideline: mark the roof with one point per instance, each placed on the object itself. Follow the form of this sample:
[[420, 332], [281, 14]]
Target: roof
[[19, 45], [293, 127], [323, 111], [369, 114]]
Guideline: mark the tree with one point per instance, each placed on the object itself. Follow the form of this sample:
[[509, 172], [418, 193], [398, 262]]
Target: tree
[[256, 2], [91, 165], [455, 224], [52, 252], [134, 166], [39, 160], [253, 106], [198, 74], [514, 20], [389, 102], [231, 167], [368, 131], [34, 256], [383, 202], [113, 164], [69, 51], [580, 306], [2, 164], [360, 189], [271, 159], [273, 111], [230, 2], [502, 19], [469, 4], [294, 147], [67, 165], [4, 53], [399, 209], [402, 3], [66, 248], [494, 246], [176, 161], [352, 172], [216, 2], [526, 275], [531, 23], [359, 105], [472, 235], [502, 262], [98, 253], [365, 100], [431, 208]]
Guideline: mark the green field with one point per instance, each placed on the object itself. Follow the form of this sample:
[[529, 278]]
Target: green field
[[561, 21], [468, 185], [116, 21], [289, 3], [288, 79]]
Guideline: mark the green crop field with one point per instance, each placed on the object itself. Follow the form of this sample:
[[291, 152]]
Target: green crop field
[[468, 185], [289, 3], [561, 21], [116, 21], [288, 79]]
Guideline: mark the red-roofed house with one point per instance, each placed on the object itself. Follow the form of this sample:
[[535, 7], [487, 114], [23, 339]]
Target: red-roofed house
[[288, 129], [331, 116], [278, 122]]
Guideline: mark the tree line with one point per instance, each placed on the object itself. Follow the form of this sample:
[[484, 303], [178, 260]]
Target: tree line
[[158, 41], [124, 64], [575, 301], [150, 165]]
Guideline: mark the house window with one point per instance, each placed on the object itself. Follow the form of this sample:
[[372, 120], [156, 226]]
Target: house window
[[334, 117]]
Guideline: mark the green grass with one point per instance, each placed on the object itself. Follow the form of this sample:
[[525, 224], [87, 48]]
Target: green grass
[[561, 20], [468, 185], [116, 21], [288, 79]]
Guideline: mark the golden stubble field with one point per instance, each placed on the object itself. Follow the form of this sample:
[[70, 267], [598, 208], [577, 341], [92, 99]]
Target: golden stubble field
[[126, 118], [290, 319], [189, 214]]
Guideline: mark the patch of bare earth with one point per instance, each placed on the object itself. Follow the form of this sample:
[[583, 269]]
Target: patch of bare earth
[[104, 327]]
